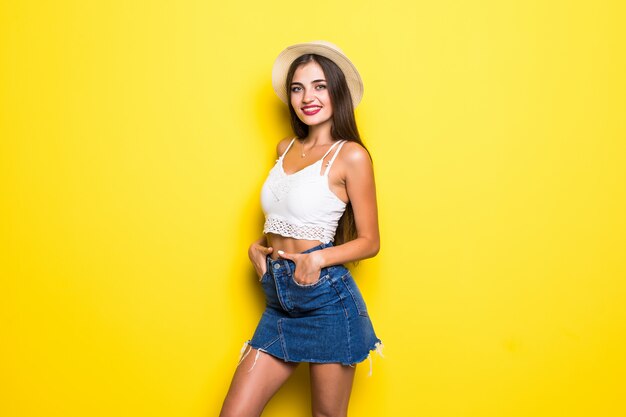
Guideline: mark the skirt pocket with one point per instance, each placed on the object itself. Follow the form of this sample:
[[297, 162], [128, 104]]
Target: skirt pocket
[[311, 297], [264, 276], [322, 277]]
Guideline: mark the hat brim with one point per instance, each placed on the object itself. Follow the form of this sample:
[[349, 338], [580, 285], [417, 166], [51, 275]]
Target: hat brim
[[291, 53]]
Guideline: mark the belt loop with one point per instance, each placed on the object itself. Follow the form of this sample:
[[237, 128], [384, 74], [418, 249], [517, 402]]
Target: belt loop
[[287, 266]]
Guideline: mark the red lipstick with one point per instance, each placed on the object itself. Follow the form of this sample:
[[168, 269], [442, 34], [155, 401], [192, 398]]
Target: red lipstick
[[311, 110]]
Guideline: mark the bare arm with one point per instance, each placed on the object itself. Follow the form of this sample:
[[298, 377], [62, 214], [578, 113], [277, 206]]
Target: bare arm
[[361, 191]]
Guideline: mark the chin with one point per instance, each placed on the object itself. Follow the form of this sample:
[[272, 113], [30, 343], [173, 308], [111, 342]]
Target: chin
[[313, 121]]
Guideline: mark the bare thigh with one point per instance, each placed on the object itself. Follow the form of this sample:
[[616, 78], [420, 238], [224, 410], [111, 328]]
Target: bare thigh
[[250, 390], [331, 385]]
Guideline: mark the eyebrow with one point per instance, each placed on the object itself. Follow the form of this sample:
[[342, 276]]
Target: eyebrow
[[314, 81]]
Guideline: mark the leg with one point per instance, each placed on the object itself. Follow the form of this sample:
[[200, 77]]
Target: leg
[[250, 390], [331, 384]]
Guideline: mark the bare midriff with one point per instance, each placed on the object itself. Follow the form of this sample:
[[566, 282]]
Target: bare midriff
[[288, 244]]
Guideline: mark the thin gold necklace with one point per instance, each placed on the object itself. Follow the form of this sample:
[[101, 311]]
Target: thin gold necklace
[[302, 153]]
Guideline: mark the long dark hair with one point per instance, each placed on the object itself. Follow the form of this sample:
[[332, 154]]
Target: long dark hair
[[343, 124]]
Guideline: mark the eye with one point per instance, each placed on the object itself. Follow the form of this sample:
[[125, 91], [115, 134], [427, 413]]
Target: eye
[[320, 86], [295, 88]]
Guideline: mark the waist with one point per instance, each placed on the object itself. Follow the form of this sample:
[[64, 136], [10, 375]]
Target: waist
[[292, 245]]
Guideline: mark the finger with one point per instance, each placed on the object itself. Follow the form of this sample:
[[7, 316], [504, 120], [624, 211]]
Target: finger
[[269, 249], [286, 255]]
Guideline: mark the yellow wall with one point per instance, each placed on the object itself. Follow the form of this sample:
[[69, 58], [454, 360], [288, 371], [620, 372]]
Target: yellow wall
[[134, 140]]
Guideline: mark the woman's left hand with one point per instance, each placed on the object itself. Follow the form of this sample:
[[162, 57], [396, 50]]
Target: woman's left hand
[[308, 266]]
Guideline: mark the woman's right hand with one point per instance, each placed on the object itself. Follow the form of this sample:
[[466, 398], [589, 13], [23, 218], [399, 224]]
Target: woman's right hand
[[257, 254]]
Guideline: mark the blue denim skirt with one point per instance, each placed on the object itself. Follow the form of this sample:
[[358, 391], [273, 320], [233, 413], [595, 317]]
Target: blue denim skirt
[[323, 322]]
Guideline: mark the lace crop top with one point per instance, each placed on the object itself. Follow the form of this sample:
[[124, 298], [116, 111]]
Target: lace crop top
[[301, 205]]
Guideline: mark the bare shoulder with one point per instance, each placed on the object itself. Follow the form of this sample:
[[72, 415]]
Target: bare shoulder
[[354, 154], [282, 145]]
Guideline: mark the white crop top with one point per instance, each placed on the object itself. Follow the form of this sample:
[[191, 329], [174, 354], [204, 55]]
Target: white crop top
[[301, 205]]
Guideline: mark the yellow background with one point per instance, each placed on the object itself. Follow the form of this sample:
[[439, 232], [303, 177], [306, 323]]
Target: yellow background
[[135, 136]]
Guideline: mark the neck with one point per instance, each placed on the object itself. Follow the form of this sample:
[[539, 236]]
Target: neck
[[319, 134]]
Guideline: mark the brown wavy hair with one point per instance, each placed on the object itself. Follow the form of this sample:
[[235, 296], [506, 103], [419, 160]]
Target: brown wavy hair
[[343, 124]]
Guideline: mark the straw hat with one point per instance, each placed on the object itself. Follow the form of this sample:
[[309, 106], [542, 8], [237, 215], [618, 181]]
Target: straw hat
[[325, 49]]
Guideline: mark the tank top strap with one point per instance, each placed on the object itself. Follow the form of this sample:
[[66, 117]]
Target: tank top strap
[[288, 147], [330, 149], [330, 163]]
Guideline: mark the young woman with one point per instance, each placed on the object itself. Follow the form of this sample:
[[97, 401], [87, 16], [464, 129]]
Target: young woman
[[320, 211]]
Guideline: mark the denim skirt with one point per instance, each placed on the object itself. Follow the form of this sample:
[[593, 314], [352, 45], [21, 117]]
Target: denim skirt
[[323, 322]]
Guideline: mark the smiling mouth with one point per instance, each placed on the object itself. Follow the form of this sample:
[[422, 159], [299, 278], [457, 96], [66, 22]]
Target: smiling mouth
[[311, 110]]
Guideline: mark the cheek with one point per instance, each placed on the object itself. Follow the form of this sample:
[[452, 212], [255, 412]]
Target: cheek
[[328, 103], [294, 102], [326, 98]]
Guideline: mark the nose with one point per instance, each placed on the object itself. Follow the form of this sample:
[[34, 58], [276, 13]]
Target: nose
[[307, 97]]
